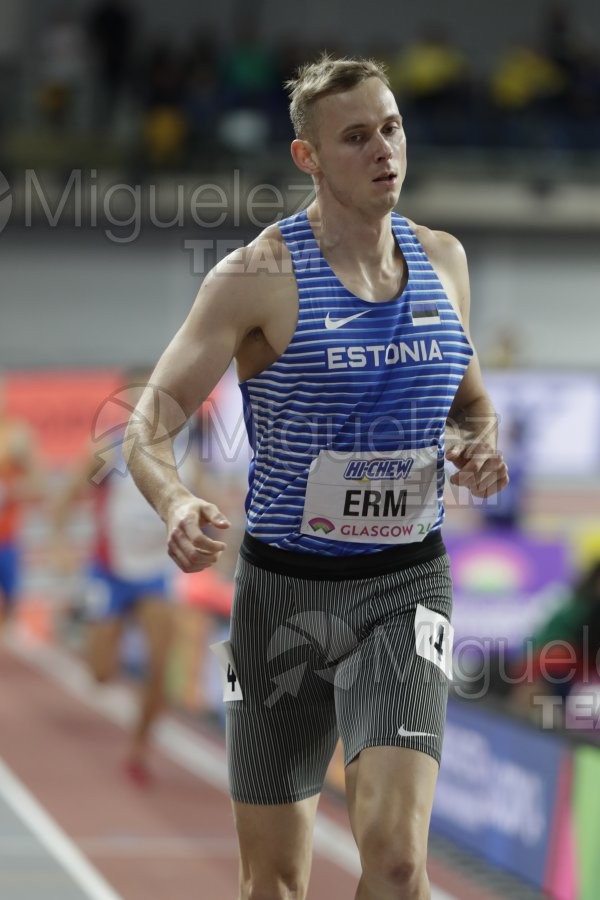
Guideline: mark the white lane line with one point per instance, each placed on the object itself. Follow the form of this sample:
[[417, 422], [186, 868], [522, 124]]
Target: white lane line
[[179, 743], [53, 838]]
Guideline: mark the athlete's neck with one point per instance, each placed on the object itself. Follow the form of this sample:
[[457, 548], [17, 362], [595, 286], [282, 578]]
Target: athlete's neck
[[353, 239]]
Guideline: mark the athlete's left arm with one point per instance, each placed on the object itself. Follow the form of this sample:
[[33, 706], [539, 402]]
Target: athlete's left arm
[[472, 424]]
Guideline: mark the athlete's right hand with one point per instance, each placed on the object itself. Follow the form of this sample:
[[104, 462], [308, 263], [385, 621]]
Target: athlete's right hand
[[187, 544]]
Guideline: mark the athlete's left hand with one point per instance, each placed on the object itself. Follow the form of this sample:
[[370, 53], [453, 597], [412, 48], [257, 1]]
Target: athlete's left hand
[[481, 468]]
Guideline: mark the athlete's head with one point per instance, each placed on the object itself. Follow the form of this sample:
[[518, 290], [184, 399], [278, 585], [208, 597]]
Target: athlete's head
[[322, 78], [349, 131]]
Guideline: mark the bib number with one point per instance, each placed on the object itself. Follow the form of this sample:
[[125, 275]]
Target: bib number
[[390, 498]]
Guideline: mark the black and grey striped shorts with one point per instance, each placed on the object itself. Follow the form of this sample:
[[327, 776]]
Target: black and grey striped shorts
[[322, 653]]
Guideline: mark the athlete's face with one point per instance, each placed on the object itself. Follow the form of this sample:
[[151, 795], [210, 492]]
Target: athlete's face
[[360, 147]]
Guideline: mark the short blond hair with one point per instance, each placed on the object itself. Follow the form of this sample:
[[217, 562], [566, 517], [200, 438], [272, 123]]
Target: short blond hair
[[323, 77]]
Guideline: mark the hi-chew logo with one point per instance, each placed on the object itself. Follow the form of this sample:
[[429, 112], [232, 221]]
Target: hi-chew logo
[[378, 469], [320, 523], [5, 202]]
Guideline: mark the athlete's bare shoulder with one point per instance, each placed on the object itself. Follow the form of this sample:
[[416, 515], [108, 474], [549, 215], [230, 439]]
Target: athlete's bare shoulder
[[266, 255], [447, 256], [440, 246], [252, 292], [270, 241], [245, 282]]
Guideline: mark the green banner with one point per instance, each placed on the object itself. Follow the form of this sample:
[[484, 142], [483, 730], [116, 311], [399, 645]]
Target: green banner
[[586, 808]]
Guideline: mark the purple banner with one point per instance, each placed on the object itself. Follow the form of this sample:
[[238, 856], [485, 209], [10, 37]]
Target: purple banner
[[505, 584]]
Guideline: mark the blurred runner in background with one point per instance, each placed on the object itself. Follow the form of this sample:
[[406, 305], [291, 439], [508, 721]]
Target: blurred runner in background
[[129, 575], [21, 480]]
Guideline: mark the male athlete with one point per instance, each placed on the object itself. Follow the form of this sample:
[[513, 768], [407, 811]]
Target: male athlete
[[349, 327]]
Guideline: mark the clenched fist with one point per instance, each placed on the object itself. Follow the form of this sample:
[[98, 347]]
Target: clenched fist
[[187, 544], [481, 468]]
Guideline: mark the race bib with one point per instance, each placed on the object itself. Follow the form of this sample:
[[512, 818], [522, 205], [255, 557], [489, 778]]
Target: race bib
[[232, 689], [434, 638], [387, 498]]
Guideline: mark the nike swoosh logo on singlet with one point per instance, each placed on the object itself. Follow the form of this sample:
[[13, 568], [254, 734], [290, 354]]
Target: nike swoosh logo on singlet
[[339, 323]]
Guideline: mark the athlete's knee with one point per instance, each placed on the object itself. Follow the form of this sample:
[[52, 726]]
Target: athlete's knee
[[283, 885], [392, 863], [102, 667], [101, 674]]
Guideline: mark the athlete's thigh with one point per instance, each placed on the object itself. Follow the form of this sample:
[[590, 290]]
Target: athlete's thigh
[[282, 733], [275, 840], [389, 792], [392, 689]]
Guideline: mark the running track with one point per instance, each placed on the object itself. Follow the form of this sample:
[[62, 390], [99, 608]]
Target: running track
[[72, 827]]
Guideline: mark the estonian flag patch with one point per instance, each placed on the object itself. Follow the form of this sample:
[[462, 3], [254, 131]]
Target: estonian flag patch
[[424, 312]]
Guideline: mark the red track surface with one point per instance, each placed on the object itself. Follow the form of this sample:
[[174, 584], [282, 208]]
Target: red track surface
[[175, 840]]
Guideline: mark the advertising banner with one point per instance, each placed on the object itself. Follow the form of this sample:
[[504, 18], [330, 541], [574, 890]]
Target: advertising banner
[[586, 814], [505, 584], [62, 408], [498, 789]]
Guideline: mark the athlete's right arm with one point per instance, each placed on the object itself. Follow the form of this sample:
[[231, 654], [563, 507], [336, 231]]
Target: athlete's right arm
[[225, 311]]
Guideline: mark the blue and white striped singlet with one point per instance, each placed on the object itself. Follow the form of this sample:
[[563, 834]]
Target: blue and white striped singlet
[[363, 380]]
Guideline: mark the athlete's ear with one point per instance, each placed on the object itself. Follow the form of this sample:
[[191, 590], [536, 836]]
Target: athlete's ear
[[305, 156]]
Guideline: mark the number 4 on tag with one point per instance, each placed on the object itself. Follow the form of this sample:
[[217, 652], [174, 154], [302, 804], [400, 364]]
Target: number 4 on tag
[[434, 636], [231, 676], [231, 683]]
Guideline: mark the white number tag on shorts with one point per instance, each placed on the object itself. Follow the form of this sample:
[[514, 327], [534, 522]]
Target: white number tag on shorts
[[434, 636], [231, 683]]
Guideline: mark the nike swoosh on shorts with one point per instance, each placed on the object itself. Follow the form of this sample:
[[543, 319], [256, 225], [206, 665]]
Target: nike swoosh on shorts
[[404, 733]]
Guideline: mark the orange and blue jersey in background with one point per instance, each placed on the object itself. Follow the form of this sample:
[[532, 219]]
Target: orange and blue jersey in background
[[9, 526]]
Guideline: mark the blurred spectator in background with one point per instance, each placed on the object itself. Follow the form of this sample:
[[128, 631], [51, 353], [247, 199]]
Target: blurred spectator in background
[[129, 576], [565, 652], [248, 68], [585, 100], [432, 81], [63, 70], [21, 481], [248, 79], [112, 30], [529, 92], [165, 124], [288, 56], [580, 66], [188, 104], [505, 510], [204, 99], [558, 40]]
